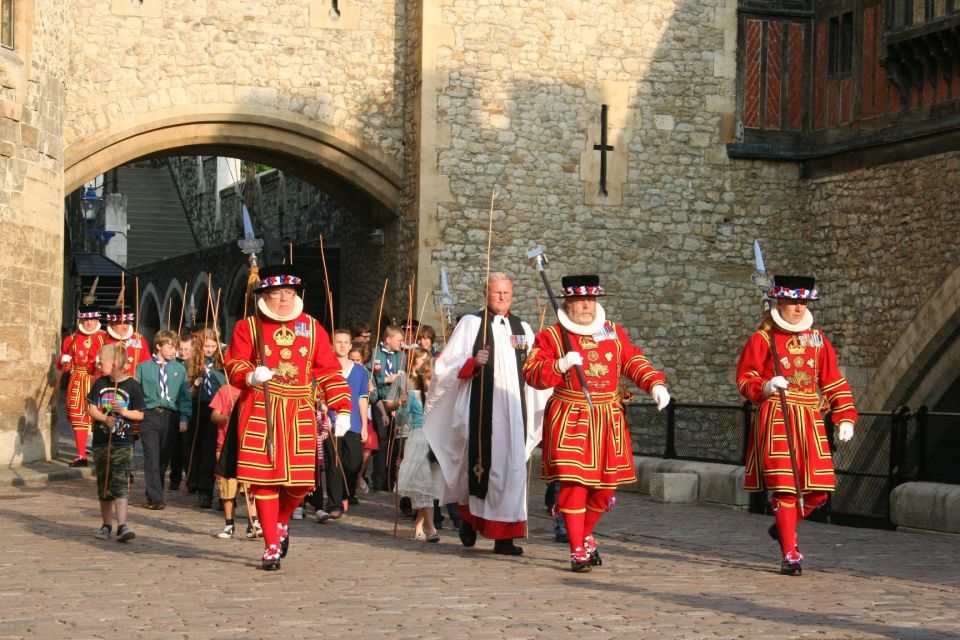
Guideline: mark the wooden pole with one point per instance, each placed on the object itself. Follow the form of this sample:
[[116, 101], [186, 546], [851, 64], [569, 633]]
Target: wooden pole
[[183, 307], [478, 467]]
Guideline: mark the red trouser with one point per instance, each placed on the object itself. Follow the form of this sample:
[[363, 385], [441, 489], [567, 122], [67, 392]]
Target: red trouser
[[275, 505], [784, 507], [581, 507]]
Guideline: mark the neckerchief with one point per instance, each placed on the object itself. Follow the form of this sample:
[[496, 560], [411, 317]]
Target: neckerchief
[[164, 391]]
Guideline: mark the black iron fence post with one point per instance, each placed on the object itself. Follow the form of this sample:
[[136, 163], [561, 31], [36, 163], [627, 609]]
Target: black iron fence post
[[747, 422], [670, 450], [898, 446], [921, 417]]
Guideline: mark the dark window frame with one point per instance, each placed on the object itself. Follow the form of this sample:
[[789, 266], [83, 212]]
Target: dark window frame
[[840, 44], [7, 24]]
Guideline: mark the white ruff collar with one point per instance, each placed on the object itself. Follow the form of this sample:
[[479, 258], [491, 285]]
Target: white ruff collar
[[265, 310], [583, 329], [118, 336], [88, 333], [805, 323]]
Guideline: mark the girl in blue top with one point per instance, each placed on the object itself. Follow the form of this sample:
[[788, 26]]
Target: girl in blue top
[[419, 476]]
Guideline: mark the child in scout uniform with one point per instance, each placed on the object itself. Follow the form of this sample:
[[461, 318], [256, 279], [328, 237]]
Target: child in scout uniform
[[166, 394]]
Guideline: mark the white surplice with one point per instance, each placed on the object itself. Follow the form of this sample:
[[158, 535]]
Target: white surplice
[[447, 422]]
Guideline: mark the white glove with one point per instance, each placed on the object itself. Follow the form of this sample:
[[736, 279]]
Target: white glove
[[567, 362], [845, 431], [259, 376], [774, 384], [660, 396], [342, 425], [66, 358]]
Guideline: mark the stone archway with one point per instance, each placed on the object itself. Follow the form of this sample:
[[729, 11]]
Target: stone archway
[[173, 304], [149, 321], [925, 361], [329, 158]]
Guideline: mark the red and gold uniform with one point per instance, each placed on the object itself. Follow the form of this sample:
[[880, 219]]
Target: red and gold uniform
[[588, 451], [82, 367], [809, 363], [295, 350], [298, 352], [595, 449], [785, 355]]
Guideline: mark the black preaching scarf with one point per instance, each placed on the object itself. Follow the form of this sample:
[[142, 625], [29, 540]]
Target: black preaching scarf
[[481, 433]]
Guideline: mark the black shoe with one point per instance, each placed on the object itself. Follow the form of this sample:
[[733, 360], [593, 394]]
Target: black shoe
[[205, 501], [125, 533], [467, 535], [271, 559], [191, 490], [352, 500], [590, 546], [156, 506], [285, 544], [561, 537], [580, 561], [506, 547], [455, 523], [792, 564], [174, 486], [78, 462]]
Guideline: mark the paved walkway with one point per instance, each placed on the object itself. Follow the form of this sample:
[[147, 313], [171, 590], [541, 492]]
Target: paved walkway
[[670, 571]]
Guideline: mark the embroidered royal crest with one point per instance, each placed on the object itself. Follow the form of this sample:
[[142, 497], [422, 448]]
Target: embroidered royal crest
[[267, 351], [303, 351], [286, 370], [800, 378], [86, 343], [586, 342], [798, 361], [608, 356], [593, 356], [286, 353], [596, 370], [794, 346], [810, 362], [284, 337]]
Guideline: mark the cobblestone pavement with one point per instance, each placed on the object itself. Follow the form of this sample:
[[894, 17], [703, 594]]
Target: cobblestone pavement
[[671, 571]]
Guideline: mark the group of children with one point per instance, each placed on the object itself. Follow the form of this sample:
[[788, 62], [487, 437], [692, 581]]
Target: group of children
[[180, 401]]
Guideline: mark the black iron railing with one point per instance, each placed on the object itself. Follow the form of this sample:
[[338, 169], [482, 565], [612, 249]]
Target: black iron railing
[[889, 448]]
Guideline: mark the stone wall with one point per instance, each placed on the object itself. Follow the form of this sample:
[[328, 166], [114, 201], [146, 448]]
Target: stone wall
[[32, 97], [279, 54], [886, 241], [672, 237]]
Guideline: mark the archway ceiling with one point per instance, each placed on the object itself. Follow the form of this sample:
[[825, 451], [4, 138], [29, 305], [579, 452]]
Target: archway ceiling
[[325, 157]]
